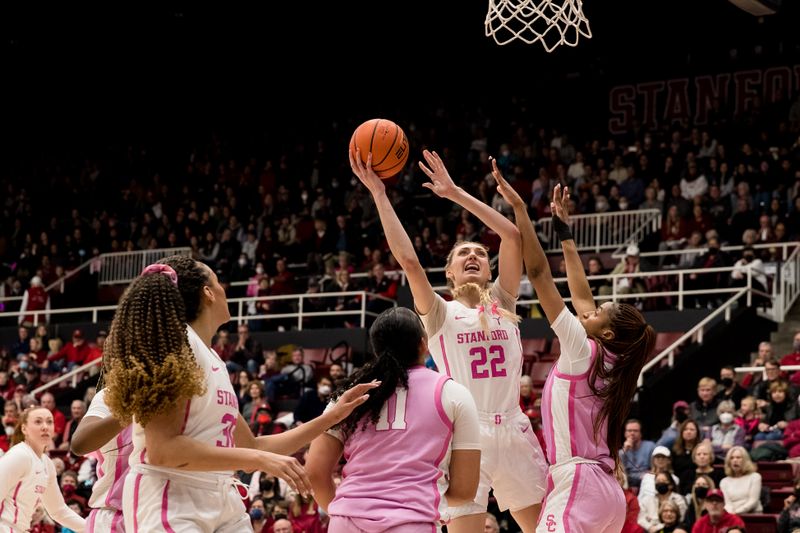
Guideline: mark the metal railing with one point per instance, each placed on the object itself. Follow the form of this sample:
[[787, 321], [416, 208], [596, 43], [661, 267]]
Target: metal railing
[[604, 231], [124, 267], [785, 247], [72, 374], [786, 288], [696, 333]]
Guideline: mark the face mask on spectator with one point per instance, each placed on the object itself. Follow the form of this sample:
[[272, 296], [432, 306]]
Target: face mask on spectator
[[726, 418], [259, 270], [726, 382], [23, 365], [256, 514], [324, 390], [701, 492], [242, 262], [68, 489], [662, 488], [623, 206]]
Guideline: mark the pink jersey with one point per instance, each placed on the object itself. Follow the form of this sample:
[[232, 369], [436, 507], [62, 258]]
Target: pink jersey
[[396, 471], [112, 461], [210, 417], [489, 363], [569, 407]]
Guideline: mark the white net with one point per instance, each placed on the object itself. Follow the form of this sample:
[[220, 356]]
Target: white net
[[551, 22]]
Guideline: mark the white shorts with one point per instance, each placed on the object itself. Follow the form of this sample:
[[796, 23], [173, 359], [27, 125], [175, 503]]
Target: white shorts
[[178, 503], [512, 463], [105, 520]]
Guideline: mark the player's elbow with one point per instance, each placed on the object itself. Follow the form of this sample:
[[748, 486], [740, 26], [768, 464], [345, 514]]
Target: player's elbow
[[461, 494]]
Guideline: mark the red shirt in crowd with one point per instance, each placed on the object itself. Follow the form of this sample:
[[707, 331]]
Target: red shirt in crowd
[[727, 520]]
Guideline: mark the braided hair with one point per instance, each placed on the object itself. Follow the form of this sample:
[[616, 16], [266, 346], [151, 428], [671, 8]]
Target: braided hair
[[634, 339], [149, 365], [395, 336]]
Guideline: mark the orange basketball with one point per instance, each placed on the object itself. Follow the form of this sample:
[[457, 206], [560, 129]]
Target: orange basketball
[[388, 143]]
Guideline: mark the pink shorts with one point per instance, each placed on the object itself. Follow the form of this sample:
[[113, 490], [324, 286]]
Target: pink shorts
[[344, 524], [582, 498]]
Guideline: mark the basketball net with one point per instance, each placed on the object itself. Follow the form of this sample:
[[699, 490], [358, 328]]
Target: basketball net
[[551, 22]]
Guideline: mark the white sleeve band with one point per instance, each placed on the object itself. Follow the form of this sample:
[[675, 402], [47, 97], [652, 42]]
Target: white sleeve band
[[98, 406]]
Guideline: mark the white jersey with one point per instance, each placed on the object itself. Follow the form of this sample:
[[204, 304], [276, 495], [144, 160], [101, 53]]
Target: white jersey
[[210, 418], [488, 364], [112, 460], [26, 480]]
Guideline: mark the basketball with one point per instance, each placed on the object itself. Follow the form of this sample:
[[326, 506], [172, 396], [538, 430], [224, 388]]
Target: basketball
[[388, 143]]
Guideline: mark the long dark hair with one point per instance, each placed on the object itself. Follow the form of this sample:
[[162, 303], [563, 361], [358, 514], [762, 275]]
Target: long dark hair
[[395, 336], [192, 277], [634, 339]]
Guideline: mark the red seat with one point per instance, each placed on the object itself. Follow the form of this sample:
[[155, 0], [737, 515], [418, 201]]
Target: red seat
[[539, 372], [760, 523], [534, 346], [527, 364], [776, 475], [664, 339], [315, 356], [776, 498]]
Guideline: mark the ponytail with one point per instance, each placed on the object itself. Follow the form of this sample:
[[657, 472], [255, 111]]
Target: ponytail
[[633, 342], [395, 338]]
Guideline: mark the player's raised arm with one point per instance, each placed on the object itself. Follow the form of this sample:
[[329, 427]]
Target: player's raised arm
[[510, 263], [396, 236], [536, 264]]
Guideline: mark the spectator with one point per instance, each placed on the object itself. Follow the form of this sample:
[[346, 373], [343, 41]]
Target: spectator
[[7, 386], [794, 357], [631, 506], [703, 458], [650, 515], [630, 264], [778, 413], [255, 390], [48, 401], [688, 439], [23, 344], [695, 501], [761, 390], [713, 258], [248, 352], [748, 419], [35, 298], [660, 462], [749, 261], [336, 372], [717, 519], [490, 524], [596, 268], [292, 379], [679, 415], [312, 403], [76, 351], [258, 518], [41, 523], [224, 348], [789, 519], [636, 453], [730, 390], [380, 284], [742, 484], [725, 435], [282, 525], [69, 484], [764, 354], [77, 410], [669, 516], [704, 409]]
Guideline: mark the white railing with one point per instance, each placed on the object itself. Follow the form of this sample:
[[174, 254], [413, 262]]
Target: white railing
[[787, 287], [72, 374], [241, 305], [786, 249], [124, 267], [604, 231], [696, 333]]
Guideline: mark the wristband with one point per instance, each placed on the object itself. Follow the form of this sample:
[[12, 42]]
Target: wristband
[[562, 229]]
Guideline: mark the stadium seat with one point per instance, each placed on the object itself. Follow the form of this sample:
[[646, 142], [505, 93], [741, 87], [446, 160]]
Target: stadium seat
[[534, 346], [316, 356], [527, 364], [760, 523], [775, 474], [539, 372], [776, 498], [664, 339]]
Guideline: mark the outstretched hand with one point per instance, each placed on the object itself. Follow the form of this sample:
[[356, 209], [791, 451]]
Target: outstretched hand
[[365, 173], [560, 203], [441, 183], [504, 188], [351, 399]]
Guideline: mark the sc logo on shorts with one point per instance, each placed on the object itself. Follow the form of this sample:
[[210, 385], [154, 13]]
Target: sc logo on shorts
[[551, 522]]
